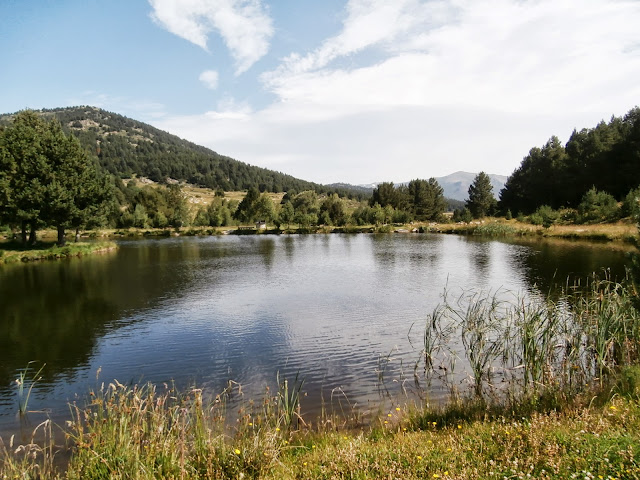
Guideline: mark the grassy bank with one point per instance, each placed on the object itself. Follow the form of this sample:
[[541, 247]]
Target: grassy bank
[[142, 433], [14, 252], [498, 227]]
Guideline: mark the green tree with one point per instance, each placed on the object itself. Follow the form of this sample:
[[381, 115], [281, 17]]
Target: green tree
[[598, 207], [245, 210], [264, 209], [23, 172], [178, 207], [306, 202], [48, 179], [385, 194], [481, 201], [333, 208], [427, 199], [287, 214]]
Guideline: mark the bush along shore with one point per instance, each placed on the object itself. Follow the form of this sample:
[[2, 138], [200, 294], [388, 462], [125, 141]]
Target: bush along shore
[[554, 392], [13, 252]]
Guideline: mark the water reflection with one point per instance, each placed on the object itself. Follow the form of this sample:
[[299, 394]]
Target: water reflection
[[208, 310]]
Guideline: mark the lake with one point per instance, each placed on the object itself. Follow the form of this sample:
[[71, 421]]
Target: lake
[[335, 309]]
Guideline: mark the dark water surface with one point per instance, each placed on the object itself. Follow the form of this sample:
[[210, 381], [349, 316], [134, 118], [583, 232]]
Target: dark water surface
[[208, 310]]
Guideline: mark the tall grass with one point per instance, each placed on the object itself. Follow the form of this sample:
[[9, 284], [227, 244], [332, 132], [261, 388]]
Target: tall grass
[[534, 345]]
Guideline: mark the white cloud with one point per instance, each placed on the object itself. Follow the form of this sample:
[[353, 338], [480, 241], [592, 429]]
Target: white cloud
[[505, 54], [423, 88], [244, 25], [209, 78]]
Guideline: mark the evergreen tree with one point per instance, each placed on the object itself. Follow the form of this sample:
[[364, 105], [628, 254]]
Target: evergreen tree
[[23, 173], [245, 211], [385, 194], [46, 178], [426, 198], [481, 201]]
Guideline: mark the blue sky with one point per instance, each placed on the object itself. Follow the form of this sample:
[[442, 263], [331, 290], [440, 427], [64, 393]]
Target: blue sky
[[334, 90]]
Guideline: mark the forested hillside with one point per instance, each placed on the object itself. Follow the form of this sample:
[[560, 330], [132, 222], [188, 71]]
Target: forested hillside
[[126, 147], [605, 158]]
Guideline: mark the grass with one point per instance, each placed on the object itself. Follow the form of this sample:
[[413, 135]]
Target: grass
[[14, 252], [499, 227], [143, 433]]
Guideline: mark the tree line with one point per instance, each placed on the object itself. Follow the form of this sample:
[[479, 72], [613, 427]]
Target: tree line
[[47, 179], [423, 200], [601, 160]]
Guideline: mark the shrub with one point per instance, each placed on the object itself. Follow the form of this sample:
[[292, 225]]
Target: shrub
[[598, 207], [544, 215], [631, 204], [462, 215]]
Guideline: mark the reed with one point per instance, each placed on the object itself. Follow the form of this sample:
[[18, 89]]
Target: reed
[[22, 381], [288, 400], [536, 345]]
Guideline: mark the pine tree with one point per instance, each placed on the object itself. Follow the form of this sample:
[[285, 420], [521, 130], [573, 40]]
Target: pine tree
[[481, 201], [46, 178]]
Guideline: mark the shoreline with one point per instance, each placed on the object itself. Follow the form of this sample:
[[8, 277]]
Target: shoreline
[[618, 233], [17, 254]]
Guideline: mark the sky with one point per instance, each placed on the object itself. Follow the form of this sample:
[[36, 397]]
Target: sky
[[354, 91]]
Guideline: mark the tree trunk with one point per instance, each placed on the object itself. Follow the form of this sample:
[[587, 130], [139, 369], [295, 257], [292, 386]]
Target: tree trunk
[[61, 239], [32, 233], [23, 225], [77, 239]]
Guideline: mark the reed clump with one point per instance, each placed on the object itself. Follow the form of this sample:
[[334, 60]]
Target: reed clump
[[517, 350]]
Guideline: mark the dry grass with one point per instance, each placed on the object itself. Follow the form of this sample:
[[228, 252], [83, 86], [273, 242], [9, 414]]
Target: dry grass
[[620, 231]]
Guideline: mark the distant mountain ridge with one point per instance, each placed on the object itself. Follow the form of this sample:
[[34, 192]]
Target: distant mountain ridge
[[455, 185]]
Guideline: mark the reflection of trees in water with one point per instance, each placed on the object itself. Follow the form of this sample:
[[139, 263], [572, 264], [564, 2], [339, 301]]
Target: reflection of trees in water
[[267, 248], [54, 312], [481, 257], [289, 246], [553, 264]]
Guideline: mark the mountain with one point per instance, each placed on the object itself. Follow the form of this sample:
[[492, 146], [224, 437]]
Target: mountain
[[456, 185], [126, 147]]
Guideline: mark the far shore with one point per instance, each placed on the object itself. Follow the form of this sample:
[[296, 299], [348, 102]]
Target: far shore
[[11, 251]]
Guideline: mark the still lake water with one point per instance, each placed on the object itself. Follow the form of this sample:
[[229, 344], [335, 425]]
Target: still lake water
[[208, 310]]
